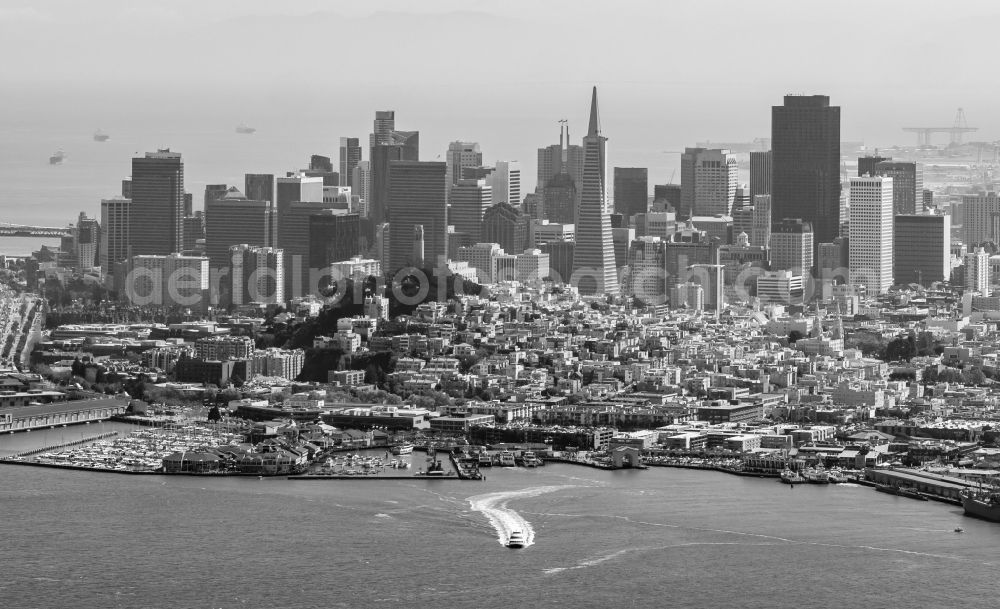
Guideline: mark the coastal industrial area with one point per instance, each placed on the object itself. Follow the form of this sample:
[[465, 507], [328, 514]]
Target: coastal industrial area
[[698, 328]]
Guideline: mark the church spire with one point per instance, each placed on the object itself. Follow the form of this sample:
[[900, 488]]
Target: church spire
[[595, 122]]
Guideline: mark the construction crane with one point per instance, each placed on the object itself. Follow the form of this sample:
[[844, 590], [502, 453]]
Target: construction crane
[[955, 132]]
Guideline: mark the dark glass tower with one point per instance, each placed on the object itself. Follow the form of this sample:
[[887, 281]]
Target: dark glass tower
[[631, 190], [805, 143], [417, 194], [156, 222]]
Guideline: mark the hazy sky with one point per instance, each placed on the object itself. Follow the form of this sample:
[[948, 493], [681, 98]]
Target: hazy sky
[[500, 72]]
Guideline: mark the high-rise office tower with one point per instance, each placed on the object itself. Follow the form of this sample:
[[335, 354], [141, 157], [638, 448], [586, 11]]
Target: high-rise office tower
[[172, 280], [868, 163], [88, 242], [188, 204], [921, 248], [559, 199], [127, 188], [871, 240], [361, 180], [384, 125], [709, 178], [560, 158], [506, 183], [350, 156], [467, 205], [631, 190], [977, 271], [194, 230], [907, 185], [504, 224], [394, 146], [213, 192], [115, 224], [258, 275], [293, 239], [687, 252], [233, 219], [157, 212], [761, 168], [459, 155], [324, 164], [333, 236], [417, 194], [760, 233], [259, 187], [594, 271], [666, 196], [792, 246], [418, 254], [296, 187], [805, 143], [982, 216]]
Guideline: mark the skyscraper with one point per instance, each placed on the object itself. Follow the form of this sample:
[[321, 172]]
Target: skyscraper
[[350, 156], [921, 248], [459, 155], [504, 224], [233, 219], [559, 199], [382, 128], [631, 190], [259, 187], [761, 170], [416, 197], [506, 183], [709, 178], [867, 164], [560, 158], [297, 187], [907, 185], [293, 239], [115, 226], [871, 238], [258, 274], [594, 271], [467, 205], [805, 142], [393, 146], [792, 246], [333, 236], [982, 213], [977, 272], [156, 219]]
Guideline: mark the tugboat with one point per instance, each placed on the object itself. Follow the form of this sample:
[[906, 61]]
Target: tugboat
[[57, 157], [516, 540], [791, 477], [244, 129]]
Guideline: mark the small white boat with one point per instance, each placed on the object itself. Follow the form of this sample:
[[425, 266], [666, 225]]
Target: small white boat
[[516, 540]]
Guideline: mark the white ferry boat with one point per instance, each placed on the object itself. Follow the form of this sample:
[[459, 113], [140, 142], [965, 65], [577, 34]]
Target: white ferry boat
[[402, 449], [516, 540]]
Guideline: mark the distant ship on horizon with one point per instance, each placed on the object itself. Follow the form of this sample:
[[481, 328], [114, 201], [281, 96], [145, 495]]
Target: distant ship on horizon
[[57, 157], [243, 128], [100, 136]]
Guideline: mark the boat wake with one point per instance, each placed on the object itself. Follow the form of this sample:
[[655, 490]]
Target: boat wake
[[505, 520]]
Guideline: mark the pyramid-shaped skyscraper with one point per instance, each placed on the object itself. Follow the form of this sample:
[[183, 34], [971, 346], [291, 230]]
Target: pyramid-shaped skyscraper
[[594, 270]]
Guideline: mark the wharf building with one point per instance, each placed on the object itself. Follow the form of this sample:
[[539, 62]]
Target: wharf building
[[350, 156], [258, 275], [709, 178], [871, 234], [805, 143], [157, 210], [417, 197], [921, 248], [594, 271]]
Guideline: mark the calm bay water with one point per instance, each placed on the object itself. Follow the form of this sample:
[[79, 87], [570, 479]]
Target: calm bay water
[[654, 538]]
